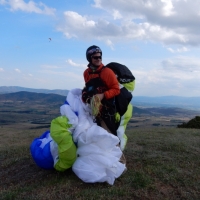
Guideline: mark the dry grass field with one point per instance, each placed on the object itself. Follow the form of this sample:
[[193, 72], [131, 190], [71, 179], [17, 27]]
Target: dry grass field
[[162, 160]]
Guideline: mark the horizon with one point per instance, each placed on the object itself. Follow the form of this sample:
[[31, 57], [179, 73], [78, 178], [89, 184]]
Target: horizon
[[74, 88], [43, 43]]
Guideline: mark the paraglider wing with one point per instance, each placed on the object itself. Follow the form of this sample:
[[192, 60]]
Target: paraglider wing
[[40, 151]]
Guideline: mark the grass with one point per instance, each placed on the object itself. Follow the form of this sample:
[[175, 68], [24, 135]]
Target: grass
[[163, 163]]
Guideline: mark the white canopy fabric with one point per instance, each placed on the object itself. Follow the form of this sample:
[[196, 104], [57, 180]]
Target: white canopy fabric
[[97, 150]]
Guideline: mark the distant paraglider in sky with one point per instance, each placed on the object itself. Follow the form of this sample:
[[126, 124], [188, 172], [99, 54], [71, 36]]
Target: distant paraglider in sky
[[49, 39]]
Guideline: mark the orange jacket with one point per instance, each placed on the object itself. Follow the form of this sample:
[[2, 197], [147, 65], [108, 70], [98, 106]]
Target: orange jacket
[[108, 77]]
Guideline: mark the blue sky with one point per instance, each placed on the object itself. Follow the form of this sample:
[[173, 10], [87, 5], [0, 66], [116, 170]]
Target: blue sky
[[159, 40]]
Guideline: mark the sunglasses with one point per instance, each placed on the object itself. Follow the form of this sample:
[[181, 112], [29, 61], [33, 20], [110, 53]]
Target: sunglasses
[[96, 57]]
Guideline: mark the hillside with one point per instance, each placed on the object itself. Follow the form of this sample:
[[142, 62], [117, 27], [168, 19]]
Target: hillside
[[29, 108], [32, 97], [139, 101], [13, 89], [41, 98]]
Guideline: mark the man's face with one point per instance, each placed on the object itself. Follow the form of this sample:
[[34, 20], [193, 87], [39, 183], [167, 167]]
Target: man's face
[[96, 59]]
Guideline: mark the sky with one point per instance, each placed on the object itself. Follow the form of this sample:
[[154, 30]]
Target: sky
[[43, 43]]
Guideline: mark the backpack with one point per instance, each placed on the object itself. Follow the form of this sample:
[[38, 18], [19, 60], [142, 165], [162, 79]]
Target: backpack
[[126, 79], [124, 75]]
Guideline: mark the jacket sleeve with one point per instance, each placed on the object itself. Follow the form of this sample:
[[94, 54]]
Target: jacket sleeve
[[84, 75], [111, 82]]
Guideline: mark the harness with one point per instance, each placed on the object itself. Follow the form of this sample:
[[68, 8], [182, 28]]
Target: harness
[[93, 86], [108, 110]]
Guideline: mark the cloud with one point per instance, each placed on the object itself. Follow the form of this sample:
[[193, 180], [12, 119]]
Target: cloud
[[168, 8], [1, 70], [173, 76], [110, 44], [178, 50], [97, 4], [116, 14], [70, 62], [17, 70], [2, 2], [163, 21], [76, 25], [30, 7], [81, 27], [182, 64]]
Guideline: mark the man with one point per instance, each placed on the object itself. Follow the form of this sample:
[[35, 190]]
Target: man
[[102, 83]]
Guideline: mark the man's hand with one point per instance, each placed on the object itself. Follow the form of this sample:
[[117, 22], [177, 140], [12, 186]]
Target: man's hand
[[100, 96]]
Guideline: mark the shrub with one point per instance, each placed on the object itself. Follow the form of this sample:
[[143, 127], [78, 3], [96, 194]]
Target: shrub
[[193, 123]]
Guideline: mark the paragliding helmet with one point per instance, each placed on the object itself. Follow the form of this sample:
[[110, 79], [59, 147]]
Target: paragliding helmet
[[92, 50]]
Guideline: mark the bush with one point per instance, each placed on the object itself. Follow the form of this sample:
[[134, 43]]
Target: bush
[[193, 123]]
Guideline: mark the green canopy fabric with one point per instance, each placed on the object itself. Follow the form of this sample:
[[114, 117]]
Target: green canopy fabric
[[66, 147]]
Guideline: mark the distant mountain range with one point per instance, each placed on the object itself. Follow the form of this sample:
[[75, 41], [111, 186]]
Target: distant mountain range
[[11, 89], [167, 101], [139, 101], [32, 98]]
